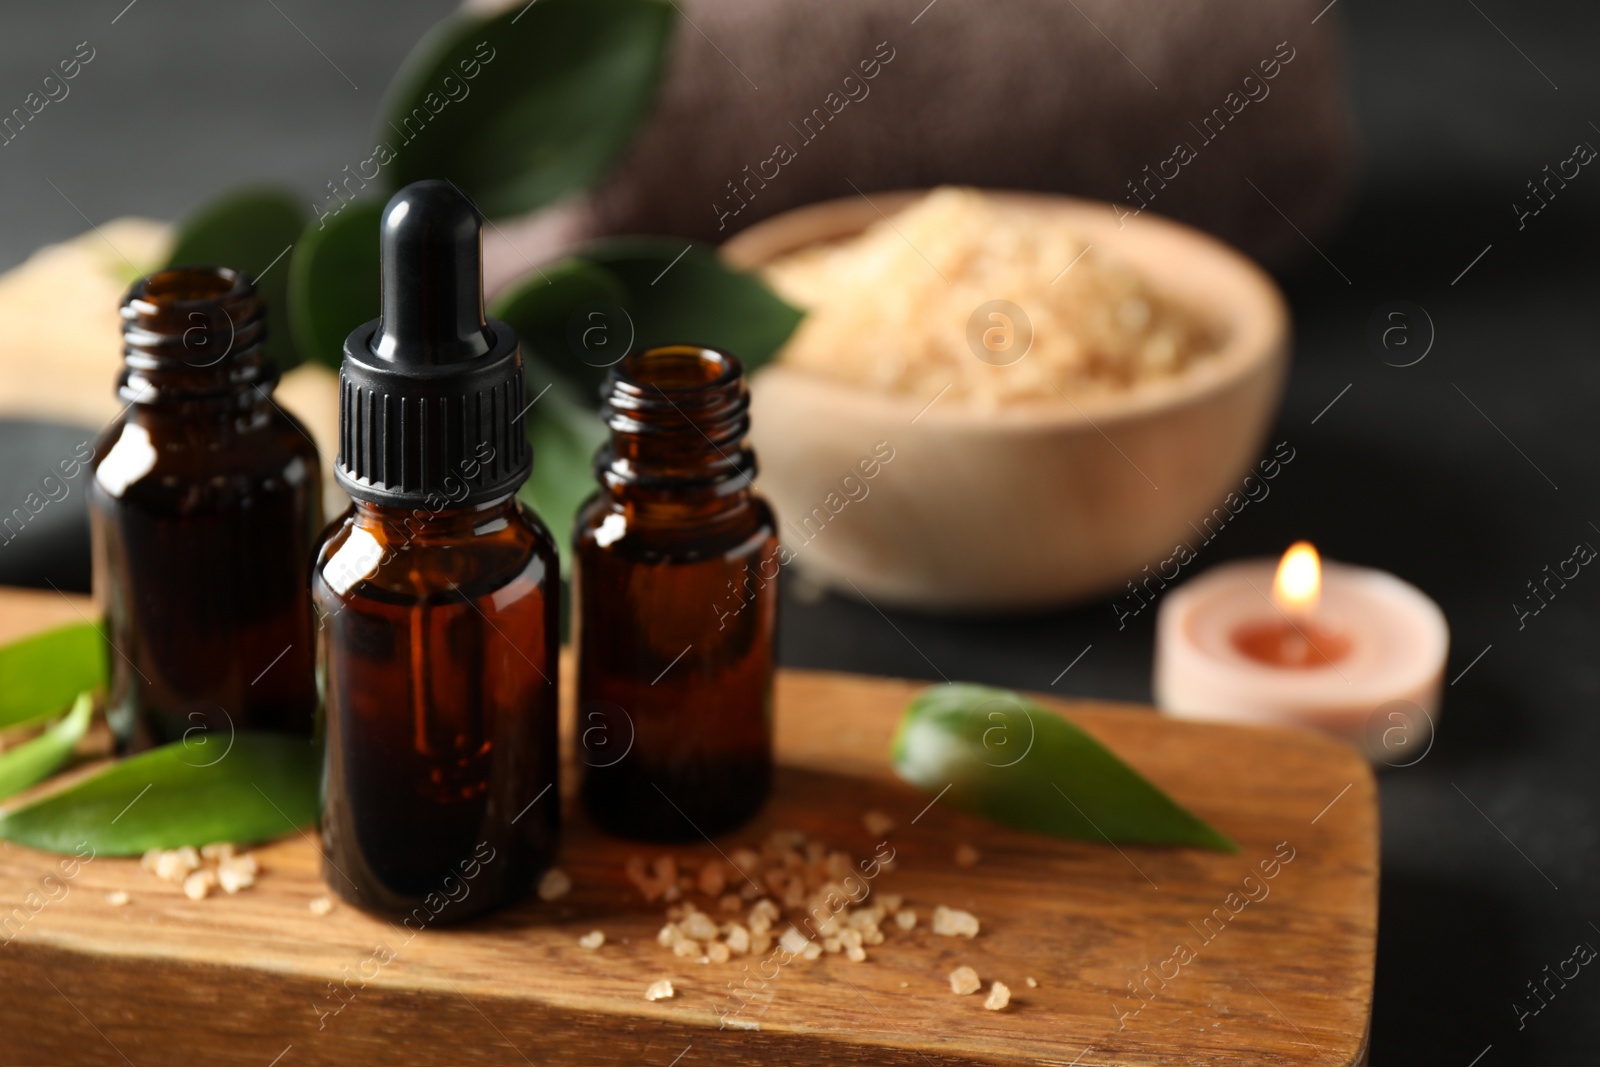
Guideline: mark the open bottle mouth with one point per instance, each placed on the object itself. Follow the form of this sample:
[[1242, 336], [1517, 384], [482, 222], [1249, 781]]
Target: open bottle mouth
[[678, 416], [179, 287], [676, 369], [195, 330], [678, 389]]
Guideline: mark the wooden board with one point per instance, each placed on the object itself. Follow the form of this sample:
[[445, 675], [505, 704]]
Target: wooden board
[[1283, 979]]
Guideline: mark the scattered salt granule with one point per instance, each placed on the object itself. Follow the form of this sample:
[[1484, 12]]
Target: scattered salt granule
[[592, 940], [198, 884], [661, 990], [964, 980], [554, 885], [232, 879], [1031, 983], [665, 872], [966, 856], [320, 905], [999, 997], [793, 941], [230, 869], [244, 861], [953, 922], [787, 873], [713, 879], [698, 925], [877, 823], [117, 898], [905, 918], [175, 865], [763, 914], [236, 872]]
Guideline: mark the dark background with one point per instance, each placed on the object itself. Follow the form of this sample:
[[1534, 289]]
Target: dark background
[[1489, 868]]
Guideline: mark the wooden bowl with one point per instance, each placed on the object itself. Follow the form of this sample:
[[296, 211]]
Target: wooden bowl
[[1031, 506]]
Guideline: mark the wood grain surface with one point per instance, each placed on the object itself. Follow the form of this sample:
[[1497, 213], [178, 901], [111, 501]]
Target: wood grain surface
[[1234, 967]]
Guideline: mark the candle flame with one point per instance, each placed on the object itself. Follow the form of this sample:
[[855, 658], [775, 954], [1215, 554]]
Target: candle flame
[[1298, 584]]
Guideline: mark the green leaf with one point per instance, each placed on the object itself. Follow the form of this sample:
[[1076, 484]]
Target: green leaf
[[523, 108], [262, 786], [334, 280], [680, 292], [35, 760], [1011, 761], [571, 317], [250, 230], [40, 675], [565, 436]]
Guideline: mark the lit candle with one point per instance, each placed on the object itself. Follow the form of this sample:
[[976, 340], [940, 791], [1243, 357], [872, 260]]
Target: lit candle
[[1354, 652]]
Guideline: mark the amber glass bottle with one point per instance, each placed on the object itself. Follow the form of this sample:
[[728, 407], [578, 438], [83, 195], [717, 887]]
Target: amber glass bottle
[[675, 580], [205, 501], [437, 595]]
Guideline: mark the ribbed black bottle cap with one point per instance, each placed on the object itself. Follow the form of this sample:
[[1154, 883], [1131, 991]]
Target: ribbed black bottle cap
[[430, 393]]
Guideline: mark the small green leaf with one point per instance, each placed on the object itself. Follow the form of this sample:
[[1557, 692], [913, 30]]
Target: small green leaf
[[564, 435], [334, 279], [682, 293], [35, 760], [1011, 761], [526, 107], [250, 230], [40, 675], [263, 786], [570, 317]]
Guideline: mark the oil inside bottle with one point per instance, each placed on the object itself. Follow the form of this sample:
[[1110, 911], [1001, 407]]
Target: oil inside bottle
[[205, 502]]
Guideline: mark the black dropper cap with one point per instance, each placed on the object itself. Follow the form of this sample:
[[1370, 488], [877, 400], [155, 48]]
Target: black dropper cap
[[430, 393]]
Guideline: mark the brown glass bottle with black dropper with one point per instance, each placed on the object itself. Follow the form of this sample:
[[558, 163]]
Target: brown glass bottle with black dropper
[[204, 504], [436, 594], [675, 567]]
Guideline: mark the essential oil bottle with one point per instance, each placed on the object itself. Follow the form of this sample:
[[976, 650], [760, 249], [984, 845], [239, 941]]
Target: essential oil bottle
[[205, 502], [437, 595], [675, 582]]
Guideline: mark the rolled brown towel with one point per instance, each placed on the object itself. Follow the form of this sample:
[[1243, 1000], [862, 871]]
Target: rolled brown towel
[[1178, 106]]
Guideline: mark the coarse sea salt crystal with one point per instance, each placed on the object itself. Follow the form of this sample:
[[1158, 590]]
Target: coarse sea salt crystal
[[964, 980], [953, 922], [555, 884]]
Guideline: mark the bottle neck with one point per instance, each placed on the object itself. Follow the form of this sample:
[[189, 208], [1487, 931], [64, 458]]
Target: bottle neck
[[192, 338], [678, 419], [435, 526]]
